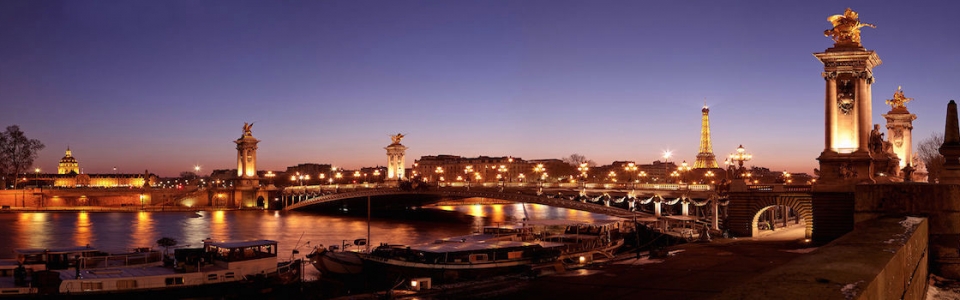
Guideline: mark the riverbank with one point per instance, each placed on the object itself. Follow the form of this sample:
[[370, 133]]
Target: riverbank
[[111, 209], [691, 271]]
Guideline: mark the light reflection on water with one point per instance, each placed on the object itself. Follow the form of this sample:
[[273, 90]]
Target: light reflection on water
[[120, 231]]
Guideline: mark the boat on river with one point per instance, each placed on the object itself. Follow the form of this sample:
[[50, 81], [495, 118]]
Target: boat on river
[[218, 268], [448, 261], [331, 262], [583, 242]]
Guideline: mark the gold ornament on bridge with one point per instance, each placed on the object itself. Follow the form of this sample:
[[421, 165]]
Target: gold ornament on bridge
[[899, 101], [396, 138], [246, 129], [846, 29]]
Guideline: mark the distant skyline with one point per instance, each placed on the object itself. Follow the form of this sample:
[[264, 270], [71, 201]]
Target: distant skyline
[[167, 85]]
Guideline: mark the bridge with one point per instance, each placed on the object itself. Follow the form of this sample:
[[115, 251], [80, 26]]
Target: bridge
[[556, 194], [746, 210]]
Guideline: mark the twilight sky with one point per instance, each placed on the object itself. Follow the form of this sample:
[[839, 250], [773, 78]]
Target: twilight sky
[[166, 85]]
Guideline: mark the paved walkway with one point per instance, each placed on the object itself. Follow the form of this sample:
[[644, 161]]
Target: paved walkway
[[692, 271]]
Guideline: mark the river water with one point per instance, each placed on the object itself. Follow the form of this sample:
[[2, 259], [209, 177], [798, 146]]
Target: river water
[[123, 231]]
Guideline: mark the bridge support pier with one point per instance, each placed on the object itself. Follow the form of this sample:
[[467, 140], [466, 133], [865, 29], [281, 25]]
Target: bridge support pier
[[716, 215]]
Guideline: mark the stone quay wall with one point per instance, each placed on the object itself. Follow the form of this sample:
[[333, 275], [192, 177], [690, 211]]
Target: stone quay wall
[[883, 258], [34, 198]]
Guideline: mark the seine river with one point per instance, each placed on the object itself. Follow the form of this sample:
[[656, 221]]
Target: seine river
[[124, 231]]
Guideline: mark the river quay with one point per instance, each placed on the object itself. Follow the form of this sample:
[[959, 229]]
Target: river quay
[[691, 271]]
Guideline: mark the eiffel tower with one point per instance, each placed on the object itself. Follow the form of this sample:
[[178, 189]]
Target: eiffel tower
[[705, 159]]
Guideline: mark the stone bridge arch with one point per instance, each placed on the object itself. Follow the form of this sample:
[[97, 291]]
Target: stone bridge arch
[[308, 199], [745, 208]]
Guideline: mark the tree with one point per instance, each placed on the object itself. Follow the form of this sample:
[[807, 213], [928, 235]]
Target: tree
[[17, 153], [928, 151], [187, 175], [577, 159], [166, 243]]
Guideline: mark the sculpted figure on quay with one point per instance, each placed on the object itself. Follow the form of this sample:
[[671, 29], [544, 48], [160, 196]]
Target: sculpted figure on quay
[[846, 28], [899, 101], [396, 138], [246, 128]]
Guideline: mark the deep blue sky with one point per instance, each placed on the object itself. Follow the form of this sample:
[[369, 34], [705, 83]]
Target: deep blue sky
[[166, 85]]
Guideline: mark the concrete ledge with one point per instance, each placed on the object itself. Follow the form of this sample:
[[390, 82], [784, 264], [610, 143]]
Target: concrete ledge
[[885, 258]]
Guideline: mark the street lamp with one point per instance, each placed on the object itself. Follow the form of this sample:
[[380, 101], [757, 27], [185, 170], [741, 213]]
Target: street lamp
[[539, 169], [630, 168], [643, 176], [739, 157], [666, 160], [612, 176], [675, 175], [709, 175], [270, 175], [502, 175], [117, 175], [439, 172], [583, 168], [683, 168], [466, 175], [196, 170], [37, 170]]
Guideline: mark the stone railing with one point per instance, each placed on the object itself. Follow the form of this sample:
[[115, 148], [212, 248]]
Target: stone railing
[[883, 258]]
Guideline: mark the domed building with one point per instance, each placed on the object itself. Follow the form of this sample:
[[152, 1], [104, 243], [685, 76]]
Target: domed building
[[68, 164], [69, 175]]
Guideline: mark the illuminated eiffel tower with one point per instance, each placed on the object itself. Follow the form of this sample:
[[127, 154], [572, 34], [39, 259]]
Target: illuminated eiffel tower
[[705, 159]]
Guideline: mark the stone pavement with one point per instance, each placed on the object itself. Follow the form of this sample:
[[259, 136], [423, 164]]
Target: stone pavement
[[692, 271]]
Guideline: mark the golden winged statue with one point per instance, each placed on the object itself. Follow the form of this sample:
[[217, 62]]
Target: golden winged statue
[[396, 138], [846, 28], [899, 101], [246, 128]]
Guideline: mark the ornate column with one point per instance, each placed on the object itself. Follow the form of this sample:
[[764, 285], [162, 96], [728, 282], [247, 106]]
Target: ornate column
[[848, 70], [830, 109], [865, 109], [247, 158], [396, 156], [900, 127]]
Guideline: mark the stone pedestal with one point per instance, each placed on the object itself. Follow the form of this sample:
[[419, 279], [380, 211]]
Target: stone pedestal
[[845, 168], [900, 133], [396, 157], [247, 160], [848, 73]]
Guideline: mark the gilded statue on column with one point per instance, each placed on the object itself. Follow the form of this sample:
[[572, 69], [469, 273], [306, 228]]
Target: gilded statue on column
[[899, 101], [247, 129], [846, 28], [396, 138]]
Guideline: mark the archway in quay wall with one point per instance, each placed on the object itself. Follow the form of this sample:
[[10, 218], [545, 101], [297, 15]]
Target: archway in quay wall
[[750, 213]]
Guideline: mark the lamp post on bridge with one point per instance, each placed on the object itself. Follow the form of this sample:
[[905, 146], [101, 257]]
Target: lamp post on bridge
[[502, 176], [466, 175], [631, 168], [739, 157], [439, 172], [683, 169], [539, 169], [37, 170], [583, 168]]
